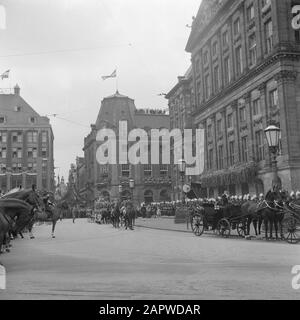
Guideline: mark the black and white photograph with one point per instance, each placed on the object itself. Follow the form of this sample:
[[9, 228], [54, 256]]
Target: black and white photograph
[[150, 150]]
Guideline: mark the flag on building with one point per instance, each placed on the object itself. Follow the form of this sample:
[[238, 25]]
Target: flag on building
[[5, 75], [113, 75]]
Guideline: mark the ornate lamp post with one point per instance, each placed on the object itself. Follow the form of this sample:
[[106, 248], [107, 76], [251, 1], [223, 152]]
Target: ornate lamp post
[[131, 186], [273, 135], [182, 168]]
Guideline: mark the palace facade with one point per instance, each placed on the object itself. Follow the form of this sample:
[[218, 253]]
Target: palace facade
[[245, 69]]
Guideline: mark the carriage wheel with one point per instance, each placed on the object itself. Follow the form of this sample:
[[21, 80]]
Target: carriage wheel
[[291, 232], [224, 228], [241, 229], [197, 223]]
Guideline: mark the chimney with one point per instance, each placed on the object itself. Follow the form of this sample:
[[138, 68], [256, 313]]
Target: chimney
[[17, 90]]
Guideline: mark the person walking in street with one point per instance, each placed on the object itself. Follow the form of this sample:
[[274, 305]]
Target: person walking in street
[[74, 213]]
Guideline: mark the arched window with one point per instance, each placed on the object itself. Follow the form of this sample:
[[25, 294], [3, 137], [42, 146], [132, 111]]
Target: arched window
[[148, 196]]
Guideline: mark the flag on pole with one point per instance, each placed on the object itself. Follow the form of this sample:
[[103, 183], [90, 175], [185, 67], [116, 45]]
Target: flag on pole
[[113, 75], [5, 75]]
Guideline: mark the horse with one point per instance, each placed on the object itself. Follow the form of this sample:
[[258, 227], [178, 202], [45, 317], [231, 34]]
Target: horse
[[273, 212], [115, 215], [14, 215], [129, 215], [30, 197]]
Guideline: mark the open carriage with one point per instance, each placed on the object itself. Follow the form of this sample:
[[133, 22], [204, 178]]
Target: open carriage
[[291, 223], [219, 219]]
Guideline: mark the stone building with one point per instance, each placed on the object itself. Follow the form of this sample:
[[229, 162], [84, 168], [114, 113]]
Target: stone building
[[111, 181], [246, 63], [181, 101], [26, 145]]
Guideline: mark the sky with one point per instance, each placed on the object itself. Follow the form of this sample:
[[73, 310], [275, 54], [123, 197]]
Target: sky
[[57, 51]]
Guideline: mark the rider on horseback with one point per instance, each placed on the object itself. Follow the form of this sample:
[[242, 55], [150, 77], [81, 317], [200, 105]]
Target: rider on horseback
[[48, 204]]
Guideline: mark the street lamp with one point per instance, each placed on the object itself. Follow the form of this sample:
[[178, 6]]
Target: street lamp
[[131, 186], [182, 168], [273, 135]]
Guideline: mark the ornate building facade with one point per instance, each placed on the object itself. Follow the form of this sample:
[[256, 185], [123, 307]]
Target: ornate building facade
[[246, 64], [26, 145], [112, 181]]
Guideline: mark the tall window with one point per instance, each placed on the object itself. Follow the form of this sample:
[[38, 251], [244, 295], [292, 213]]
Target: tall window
[[163, 169], [210, 159], [225, 38], [242, 114], [214, 48], [256, 107], [209, 131], [239, 60], [205, 57], [220, 158], [236, 26], [125, 170], [3, 153], [207, 86], [227, 70], [147, 170], [250, 13], [274, 98], [245, 149], [269, 36], [259, 141], [44, 137], [216, 78], [252, 49], [14, 152], [219, 127], [32, 137], [231, 153], [44, 152], [3, 137], [230, 121]]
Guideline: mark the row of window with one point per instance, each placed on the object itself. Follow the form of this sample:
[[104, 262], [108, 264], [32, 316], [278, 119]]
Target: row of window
[[255, 109], [31, 120], [18, 153], [17, 136], [238, 58], [18, 167], [163, 170], [244, 154]]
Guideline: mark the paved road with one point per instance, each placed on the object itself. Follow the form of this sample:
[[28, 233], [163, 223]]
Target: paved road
[[88, 261]]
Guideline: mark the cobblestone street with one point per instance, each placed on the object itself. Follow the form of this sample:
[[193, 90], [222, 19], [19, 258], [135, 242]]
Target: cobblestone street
[[90, 261]]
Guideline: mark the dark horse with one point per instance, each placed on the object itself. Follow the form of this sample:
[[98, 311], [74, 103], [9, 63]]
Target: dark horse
[[273, 213], [18, 209], [49, 213], [14, 215], [129, 215], [116, 216]]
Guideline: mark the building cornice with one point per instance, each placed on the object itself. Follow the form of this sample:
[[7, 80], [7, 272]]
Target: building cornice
[[282, 75]]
